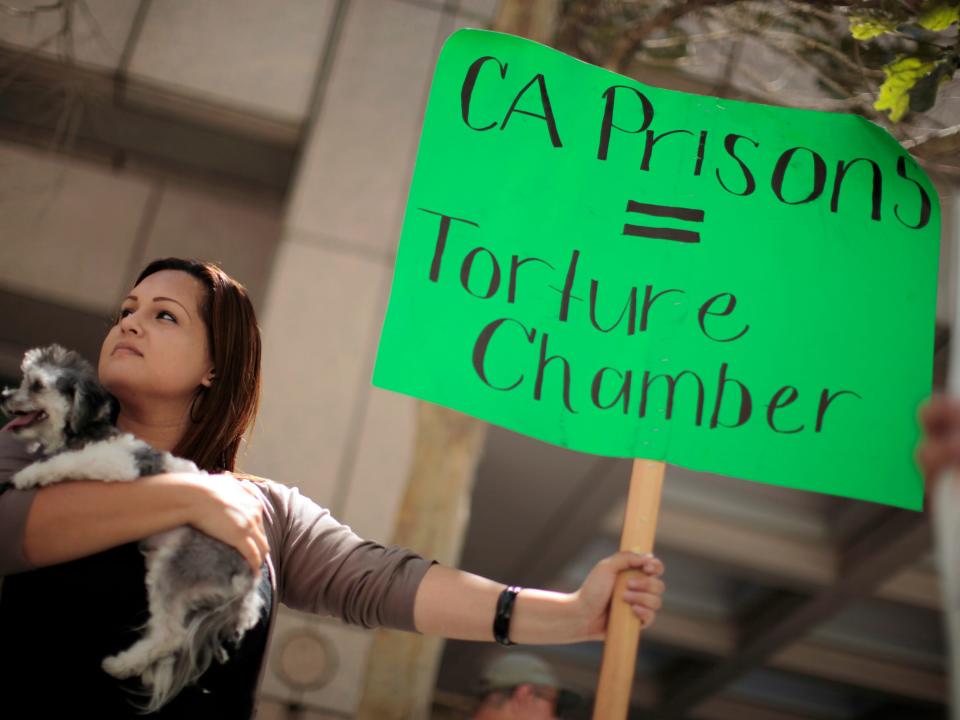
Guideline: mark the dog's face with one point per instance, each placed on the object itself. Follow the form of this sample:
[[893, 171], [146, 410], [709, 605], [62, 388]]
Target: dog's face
[[58, 395]]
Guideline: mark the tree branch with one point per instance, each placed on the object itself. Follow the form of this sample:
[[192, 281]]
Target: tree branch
[[633, 38]]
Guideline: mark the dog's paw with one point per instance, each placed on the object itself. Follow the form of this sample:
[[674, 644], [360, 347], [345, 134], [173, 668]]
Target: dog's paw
[[119, 667], [25, 479], [222, 655], [37, 474], [149, 676]]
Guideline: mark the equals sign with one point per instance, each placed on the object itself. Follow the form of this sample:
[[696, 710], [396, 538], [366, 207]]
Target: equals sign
[[663, 211]]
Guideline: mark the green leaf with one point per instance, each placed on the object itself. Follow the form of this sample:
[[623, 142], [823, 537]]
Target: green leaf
[[902, 74], [865, 27], [939, 15]]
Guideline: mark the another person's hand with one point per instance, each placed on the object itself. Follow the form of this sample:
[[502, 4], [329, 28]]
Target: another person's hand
[[226, 510], [643, 593], [940, 445]]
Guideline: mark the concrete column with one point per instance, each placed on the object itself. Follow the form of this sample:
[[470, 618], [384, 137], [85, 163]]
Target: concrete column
[[433, 517], [434, 513], [322, 427]]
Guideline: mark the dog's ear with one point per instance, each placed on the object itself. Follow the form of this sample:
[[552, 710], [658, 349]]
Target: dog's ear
[[90, 403]]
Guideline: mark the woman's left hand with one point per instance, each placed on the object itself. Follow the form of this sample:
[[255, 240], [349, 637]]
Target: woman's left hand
[[643, 593]]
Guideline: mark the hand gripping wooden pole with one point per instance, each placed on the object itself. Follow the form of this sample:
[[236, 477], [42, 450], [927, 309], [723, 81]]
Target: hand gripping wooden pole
[[623, 627]]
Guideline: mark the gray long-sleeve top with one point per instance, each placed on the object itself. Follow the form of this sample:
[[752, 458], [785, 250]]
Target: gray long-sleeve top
[[317, 564]]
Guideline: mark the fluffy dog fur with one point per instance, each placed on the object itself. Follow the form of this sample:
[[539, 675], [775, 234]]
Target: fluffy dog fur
[[201, 592]]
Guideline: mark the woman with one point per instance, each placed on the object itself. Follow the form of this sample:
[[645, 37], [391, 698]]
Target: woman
[[183, 361]]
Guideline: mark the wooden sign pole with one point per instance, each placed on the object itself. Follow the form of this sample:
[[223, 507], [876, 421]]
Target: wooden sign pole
[[623, 628]]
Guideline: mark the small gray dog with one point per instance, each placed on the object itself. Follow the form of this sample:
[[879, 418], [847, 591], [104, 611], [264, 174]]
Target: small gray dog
[[201, 592]]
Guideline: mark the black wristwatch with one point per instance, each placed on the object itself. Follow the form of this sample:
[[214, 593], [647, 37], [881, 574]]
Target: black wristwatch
[[501, 621]]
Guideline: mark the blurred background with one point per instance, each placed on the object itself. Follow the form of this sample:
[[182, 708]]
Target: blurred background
[[278, 139]]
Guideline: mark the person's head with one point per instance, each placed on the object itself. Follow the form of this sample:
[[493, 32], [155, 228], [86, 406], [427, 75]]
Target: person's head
[[195, 357], [520, 685]]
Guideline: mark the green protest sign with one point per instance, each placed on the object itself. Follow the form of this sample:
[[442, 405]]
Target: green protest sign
[[635, 272]]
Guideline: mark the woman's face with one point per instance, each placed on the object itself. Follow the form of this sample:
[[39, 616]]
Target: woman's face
[[160, 320]]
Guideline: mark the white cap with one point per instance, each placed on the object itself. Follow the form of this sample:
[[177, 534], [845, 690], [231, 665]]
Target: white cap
[[512, 669]]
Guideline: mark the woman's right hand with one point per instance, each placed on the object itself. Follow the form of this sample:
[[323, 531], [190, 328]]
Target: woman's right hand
[[226, 510]]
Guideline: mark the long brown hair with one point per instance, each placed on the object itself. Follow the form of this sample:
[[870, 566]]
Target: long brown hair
[[221, 414]]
